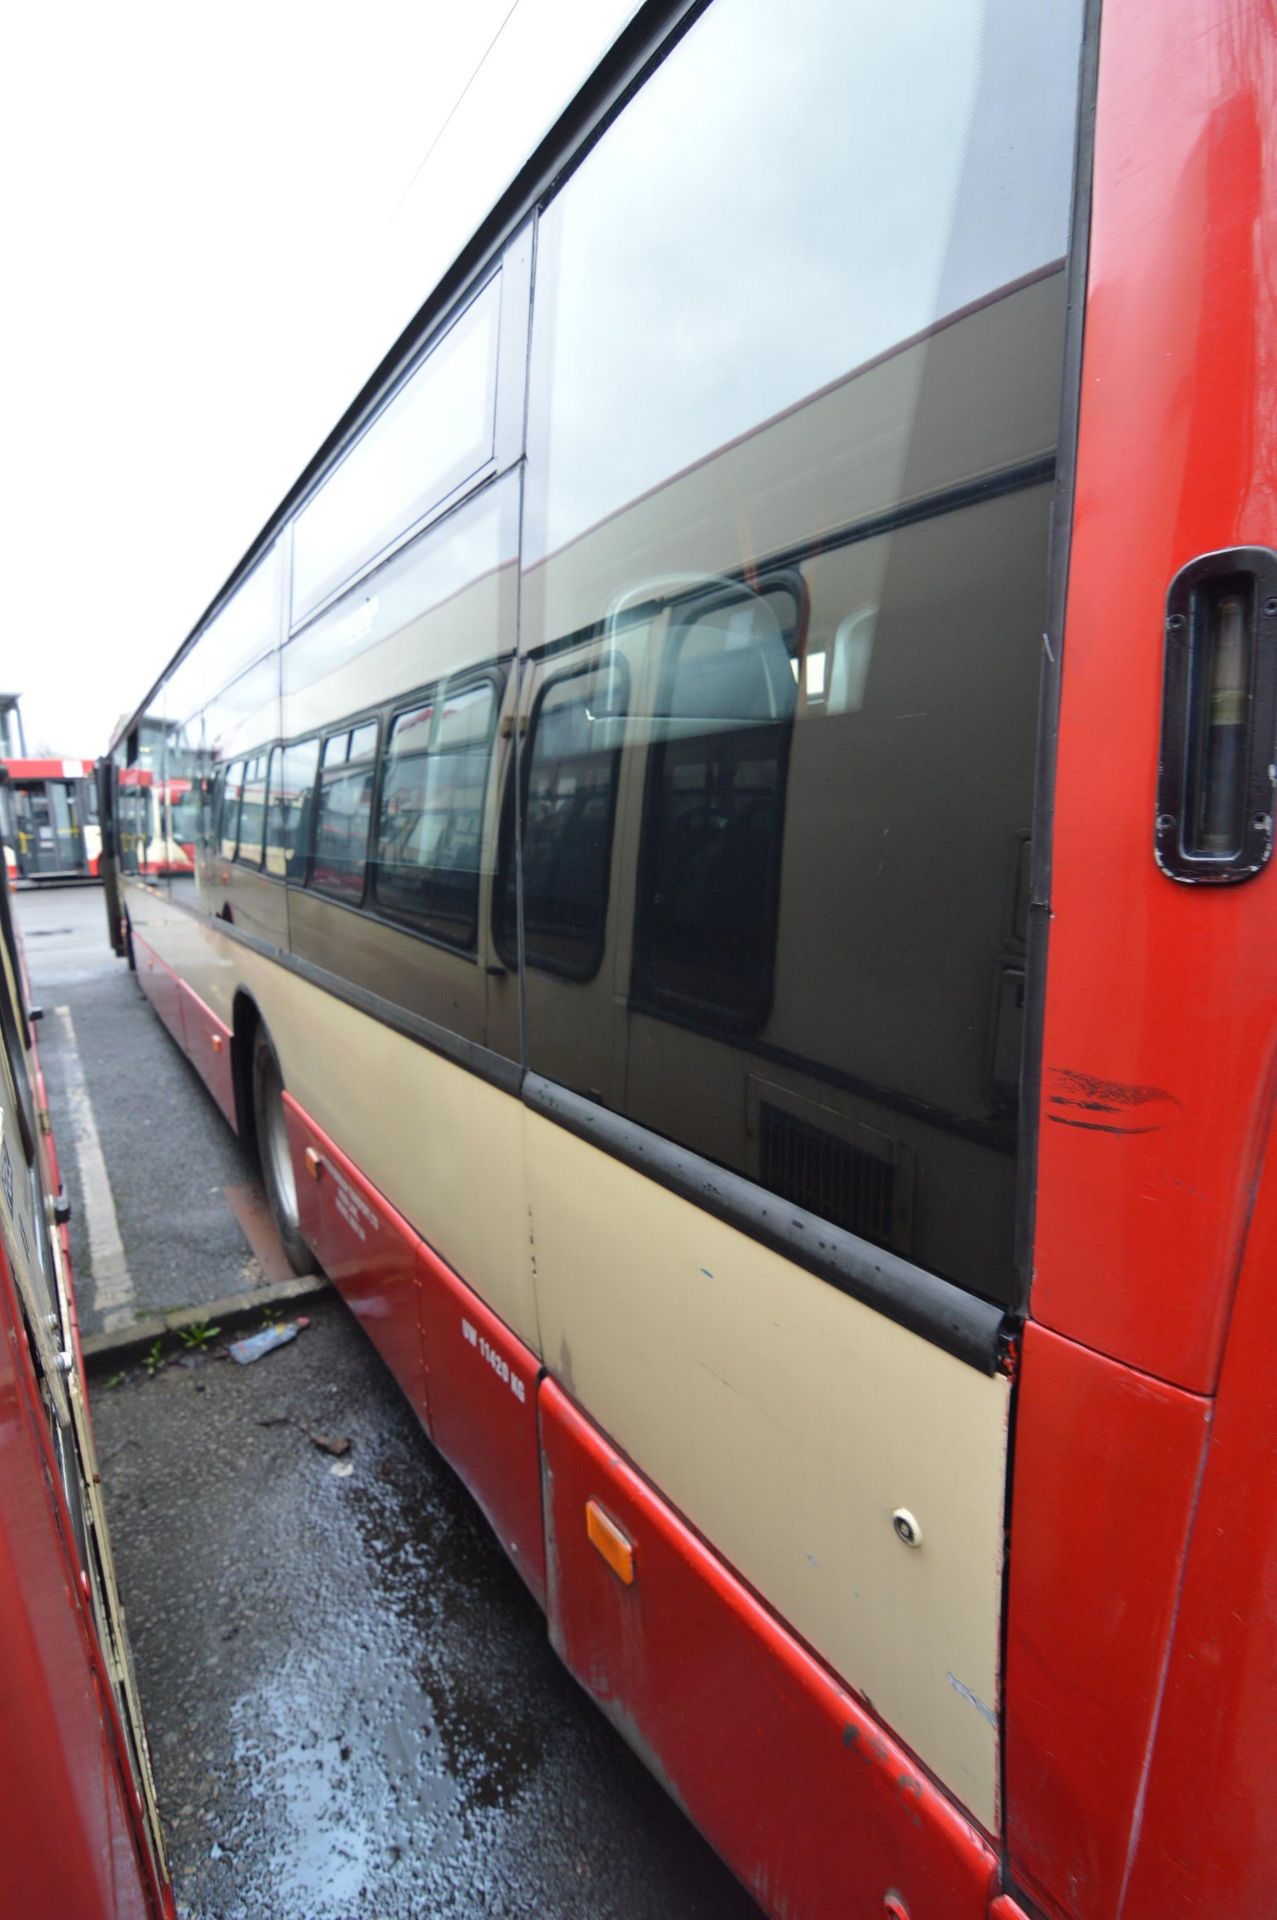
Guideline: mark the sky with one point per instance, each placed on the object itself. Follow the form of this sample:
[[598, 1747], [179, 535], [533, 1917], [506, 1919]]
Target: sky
[[215, 221]]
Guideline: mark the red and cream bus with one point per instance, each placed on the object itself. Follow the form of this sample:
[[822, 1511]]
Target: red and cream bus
[[157, 823], [79, 1833], [734, 800], [49, 819]]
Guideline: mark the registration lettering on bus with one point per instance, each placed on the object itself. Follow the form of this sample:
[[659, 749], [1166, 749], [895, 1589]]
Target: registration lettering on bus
[[500, 1366]]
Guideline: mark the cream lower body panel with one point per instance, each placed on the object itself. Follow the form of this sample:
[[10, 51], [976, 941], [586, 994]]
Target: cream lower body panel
[[788, 1422], [442, 1145]]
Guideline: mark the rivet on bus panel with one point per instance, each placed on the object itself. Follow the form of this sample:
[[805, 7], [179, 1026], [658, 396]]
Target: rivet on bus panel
[[611, 1542]]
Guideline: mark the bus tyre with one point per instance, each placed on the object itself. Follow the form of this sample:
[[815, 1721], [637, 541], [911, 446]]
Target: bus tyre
[[274, 1154]]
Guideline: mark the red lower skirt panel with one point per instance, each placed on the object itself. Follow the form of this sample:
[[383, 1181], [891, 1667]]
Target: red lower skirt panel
[[483, 1411], [472, 1383], [365, 1248], [160, 985], [208, 1044], [197, 1030], [1106, 1462], [805, 1796]]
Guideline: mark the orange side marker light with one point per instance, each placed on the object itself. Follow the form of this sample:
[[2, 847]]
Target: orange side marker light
[[314, 1165], [611, 1542]]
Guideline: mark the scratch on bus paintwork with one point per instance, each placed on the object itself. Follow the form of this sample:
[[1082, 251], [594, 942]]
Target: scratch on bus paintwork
[[972, 1698], [1109, 1106]]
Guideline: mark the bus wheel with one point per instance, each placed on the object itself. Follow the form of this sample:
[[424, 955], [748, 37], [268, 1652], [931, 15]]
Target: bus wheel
[[274, 1154]]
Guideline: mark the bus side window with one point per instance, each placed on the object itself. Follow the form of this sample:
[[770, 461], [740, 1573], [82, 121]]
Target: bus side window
[[273, 861], [430, 823], [344, 811], [709, 870], [571, 768], [130, 851], [252, 812], [289, 807], [232, 789], [210, 801]]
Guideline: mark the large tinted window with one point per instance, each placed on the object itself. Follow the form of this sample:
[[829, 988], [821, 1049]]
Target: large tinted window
[[794, 395], [434, 434], [247, 627], [252, 811], [710, 863], [569, 798], [130, 814], [430, 825], [232, 789], [289, 807], [427, 639], [344, 812]]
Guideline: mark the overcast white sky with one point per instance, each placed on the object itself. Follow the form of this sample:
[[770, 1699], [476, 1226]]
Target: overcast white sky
[[214, 223]]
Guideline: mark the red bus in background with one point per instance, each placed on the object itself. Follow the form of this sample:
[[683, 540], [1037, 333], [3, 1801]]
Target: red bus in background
[[79, 1831], [157, 823], [49, 819]]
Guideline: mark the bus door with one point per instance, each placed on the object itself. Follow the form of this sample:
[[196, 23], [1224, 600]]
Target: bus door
[[37, 834], [50, 824], [8, 827], [110, 863], [68, 815]]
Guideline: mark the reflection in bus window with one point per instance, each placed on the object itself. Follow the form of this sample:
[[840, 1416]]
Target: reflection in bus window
[[252, 812], [184, 816], [289, 807], [435, 433], [430, 829], [715, 811], [344, 813], [835, 674], [246, 628], [568, 806], [231, 791], [135, 828], [211, 784], [363, 741]]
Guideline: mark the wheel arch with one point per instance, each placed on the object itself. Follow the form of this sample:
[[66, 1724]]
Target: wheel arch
[[245, 1020]]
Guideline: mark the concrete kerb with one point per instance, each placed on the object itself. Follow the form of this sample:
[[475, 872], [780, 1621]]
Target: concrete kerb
[[103, 1351]]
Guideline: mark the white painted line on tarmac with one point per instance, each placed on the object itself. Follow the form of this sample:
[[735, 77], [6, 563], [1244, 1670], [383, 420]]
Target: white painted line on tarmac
[[111, 1293]]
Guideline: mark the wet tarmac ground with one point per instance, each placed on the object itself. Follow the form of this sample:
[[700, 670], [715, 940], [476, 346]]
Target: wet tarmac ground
[[125, 1098], [353, 1706]]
